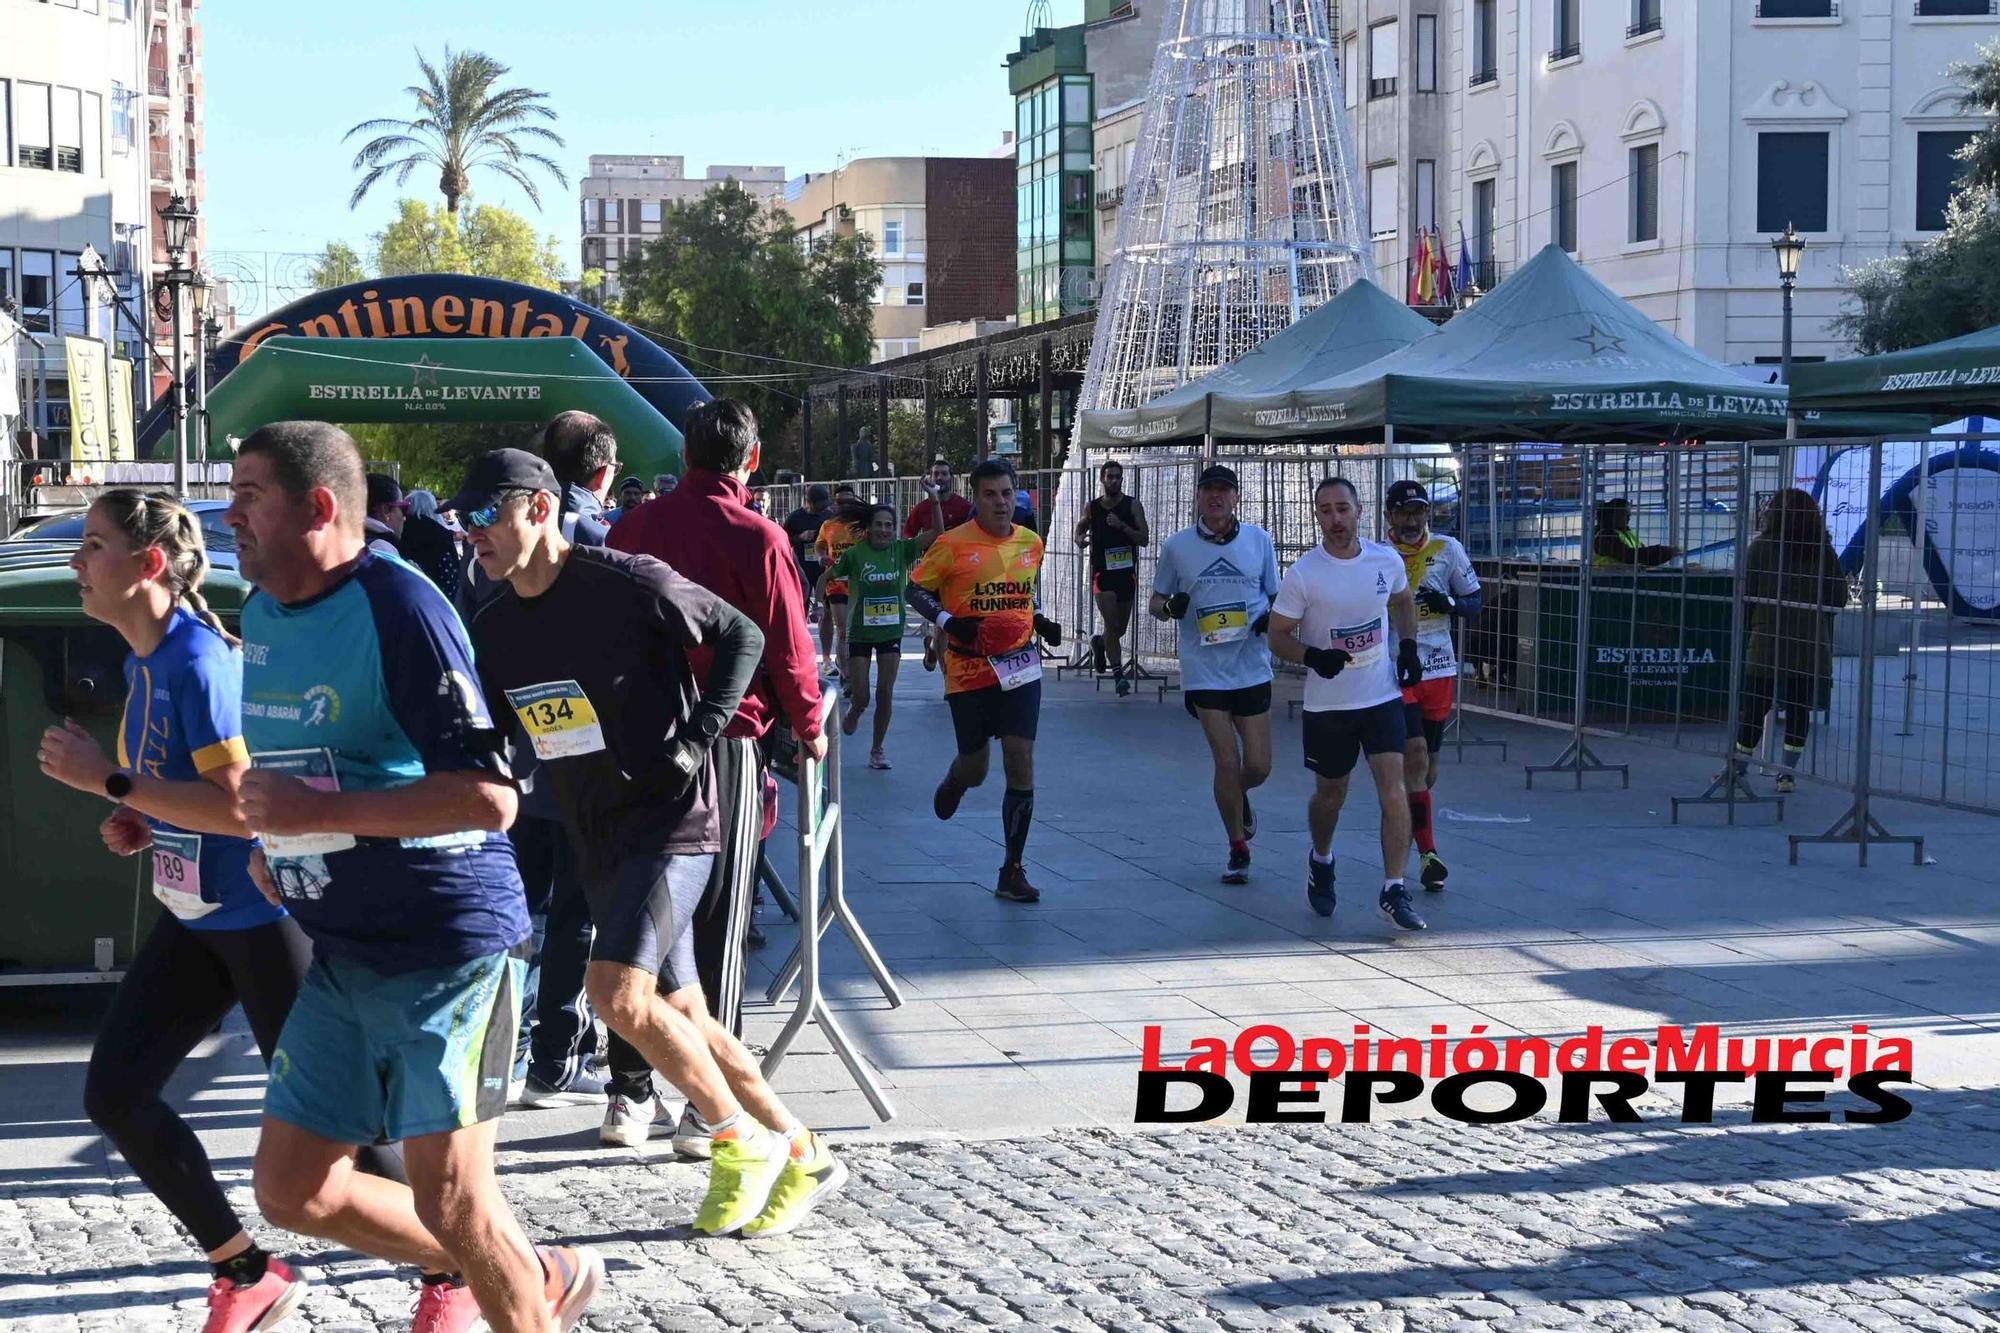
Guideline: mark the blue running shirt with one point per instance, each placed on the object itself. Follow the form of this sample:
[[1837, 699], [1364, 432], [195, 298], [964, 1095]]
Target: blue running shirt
[[1229, 585], [368, 687]]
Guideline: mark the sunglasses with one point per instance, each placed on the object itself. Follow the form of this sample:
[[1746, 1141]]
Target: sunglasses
[[481, 519]]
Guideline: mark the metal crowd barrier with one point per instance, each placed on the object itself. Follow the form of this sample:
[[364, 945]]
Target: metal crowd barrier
[[822, 900]]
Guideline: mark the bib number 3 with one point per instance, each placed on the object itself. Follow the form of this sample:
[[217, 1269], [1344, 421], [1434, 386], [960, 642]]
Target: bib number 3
[[1223, 624], [559, 719]]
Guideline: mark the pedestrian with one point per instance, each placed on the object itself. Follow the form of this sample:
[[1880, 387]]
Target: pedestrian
[[664, 483], [583, 452], [846, 522], [802, 530], [1333, 614], [1616, 546], [631, 494], [1113, 529], [380, 796], [940, 494], [428, 544], [1793, 586], [706, 531], [383, 527], [876, 569]]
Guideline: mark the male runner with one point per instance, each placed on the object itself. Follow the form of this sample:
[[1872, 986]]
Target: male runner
[[1333, 614], [380, 794], [589, 654], [977, 585], [1225, 574], [802, 531], [1446, 590], [939, 493], [1113, 529], [584, 455]]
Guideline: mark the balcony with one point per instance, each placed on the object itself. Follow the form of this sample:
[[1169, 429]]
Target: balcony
[[1111, 197], [160, 166], [159, 82], [1938, 9], [1380, 88], [1480, 78], [1568, 51], [1650, 23], [1798, 9]]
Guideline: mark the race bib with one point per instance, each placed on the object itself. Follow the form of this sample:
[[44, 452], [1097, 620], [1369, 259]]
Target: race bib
[[1228, 623], [881, 612], [558, 718], [1117, 558], [315, 769], [1017, 669], [1362, 642], [177, 874]]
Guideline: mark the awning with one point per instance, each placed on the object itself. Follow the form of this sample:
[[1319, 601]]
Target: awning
[[1944, 380]]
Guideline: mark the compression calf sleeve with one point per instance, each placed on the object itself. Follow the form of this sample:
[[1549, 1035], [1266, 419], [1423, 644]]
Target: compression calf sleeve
[[1017, 812], [1420, 821]]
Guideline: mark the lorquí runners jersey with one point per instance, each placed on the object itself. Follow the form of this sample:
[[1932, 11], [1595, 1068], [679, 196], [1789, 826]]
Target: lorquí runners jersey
[[369, 687], [976, 574], [1229, 585], [834, 539], [183, 720], [1440, 563], [875, 581], [1345, 604]]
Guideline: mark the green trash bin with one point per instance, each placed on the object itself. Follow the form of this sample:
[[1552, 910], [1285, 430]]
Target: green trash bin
[[69, 910]]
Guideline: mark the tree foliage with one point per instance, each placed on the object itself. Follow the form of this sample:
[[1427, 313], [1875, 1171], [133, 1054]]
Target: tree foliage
[[1980, 77], [731, 292], [462, 122], [434, 456], [337, 266], [484, 241]]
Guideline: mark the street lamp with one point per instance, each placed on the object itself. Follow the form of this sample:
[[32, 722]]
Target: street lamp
[[202, 287], [177, 217], [1790, 248]]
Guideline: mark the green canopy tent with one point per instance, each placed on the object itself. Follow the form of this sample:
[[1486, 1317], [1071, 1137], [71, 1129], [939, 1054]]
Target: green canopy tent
[[1252, 396], [1943, 380], [435, 380]]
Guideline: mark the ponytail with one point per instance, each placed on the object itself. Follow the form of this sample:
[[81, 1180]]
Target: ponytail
[[157, 518]]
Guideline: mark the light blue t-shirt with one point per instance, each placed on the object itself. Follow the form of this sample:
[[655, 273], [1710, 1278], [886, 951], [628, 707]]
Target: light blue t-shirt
[[1229, 586]]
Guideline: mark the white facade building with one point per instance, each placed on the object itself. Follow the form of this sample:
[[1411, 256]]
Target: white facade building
[[625, 197], [1664, 142]]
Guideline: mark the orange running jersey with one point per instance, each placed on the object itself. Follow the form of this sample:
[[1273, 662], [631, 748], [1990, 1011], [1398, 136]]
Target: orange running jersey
[[976, 574], [834, 539]]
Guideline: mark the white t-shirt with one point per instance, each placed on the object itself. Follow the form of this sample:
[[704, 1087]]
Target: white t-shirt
[[1439, 563], [1345, 604]]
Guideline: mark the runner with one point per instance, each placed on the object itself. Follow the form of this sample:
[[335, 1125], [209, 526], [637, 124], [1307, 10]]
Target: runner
[[589, 653], [1446, 589], [139, 569], [1333, 614], [1226, 573], [802, 531], [583, 452], [977, 585], [877, 569], [1112, 530], [380, 795], [845, 524], [940, 492]]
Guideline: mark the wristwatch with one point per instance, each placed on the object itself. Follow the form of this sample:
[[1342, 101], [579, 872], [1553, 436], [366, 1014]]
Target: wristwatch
[[118, 786]]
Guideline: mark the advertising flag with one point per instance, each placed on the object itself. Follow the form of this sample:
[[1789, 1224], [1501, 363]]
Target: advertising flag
[[89, 406]]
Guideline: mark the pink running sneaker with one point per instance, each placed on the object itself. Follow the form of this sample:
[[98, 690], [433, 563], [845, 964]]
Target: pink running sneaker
[[446, 1307], [573, 1273], [266, 1303]]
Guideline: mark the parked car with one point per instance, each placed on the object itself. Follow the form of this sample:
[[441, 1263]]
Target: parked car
[[67, 526]]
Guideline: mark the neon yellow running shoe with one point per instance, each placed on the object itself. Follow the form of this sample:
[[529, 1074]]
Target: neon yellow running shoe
[[801, 1185], [740, 1180]]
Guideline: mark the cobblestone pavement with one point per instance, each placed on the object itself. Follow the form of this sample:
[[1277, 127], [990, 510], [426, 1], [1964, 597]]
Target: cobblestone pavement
[[1382, 1226]]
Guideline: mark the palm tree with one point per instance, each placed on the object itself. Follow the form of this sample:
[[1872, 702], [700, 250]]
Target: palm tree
[[465, 123]]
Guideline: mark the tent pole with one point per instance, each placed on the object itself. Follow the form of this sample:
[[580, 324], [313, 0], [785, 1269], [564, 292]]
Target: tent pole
[[1389, 437], [1207, 429]]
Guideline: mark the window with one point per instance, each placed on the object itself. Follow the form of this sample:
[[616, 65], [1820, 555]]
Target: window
[[1645, 177], [1485, 42], [6, 274], [1949, 8], [1384, 53], [1938, 174], [121, 118], [1796, 9], [649, 213], [1562, 205], [38, 290], [33, 147], [1350, 73], [70, 304], [593, 215], [892, 238], [1568, 31], [93, 134], [1485, 219], [1791, 181], [1427, 53], [1645, 17], [1425, 214], [916, 294], [1382, 200], [68, 120]]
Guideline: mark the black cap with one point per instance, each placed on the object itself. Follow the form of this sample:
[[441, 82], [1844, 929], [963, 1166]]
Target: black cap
[[1405, 492], [495, 473], [383, 490], [1215, 474]]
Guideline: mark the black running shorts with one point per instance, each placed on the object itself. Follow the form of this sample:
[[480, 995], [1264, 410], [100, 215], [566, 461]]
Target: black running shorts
[[644, 915], [1335, 738], [1249, 701], [1122, 584], [978, 716]]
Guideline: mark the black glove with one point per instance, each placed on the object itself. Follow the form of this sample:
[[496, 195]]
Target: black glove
[[1327, 662], [964, 629], [1436, 601], [1049, 630], [682, 769], [1409, 665], [1177, 606], [1262, 624]]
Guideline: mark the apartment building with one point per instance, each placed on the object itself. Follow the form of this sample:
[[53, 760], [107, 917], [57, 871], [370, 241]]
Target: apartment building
[[624, 198]]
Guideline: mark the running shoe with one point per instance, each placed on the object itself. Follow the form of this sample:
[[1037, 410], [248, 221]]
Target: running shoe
[[801, 1185], [692, 1137], [849, 720], [628, 1121], [1124, 686], [1249, 819], [1787, 784], [1014, 886], [1395, 907], [571, 1276], [1239, 867], [1434, 873], [1319, 886], [878, 760], [583, 1090], [754, 937], [446, 1305], [740, 1180], [265, 1303], [944, 801], [1097, 653]]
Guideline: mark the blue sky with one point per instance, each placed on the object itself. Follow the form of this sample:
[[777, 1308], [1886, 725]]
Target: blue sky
[[796, 83]]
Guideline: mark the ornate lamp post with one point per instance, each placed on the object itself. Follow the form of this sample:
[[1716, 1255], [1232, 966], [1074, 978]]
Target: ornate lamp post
[[177, 218], [1790, 248]]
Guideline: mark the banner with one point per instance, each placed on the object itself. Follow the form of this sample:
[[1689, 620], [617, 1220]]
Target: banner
[[89, 406], [122, 421]]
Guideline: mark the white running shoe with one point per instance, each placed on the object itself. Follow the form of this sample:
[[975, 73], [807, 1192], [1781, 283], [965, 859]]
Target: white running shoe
[[628, 1121], [692, 1137]]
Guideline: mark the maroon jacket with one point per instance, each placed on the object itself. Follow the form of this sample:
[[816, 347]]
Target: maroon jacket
[[707, 531]]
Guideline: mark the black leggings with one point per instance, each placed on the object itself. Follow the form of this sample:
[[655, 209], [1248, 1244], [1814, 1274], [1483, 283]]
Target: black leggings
[[1794, 694], [181, 984]]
